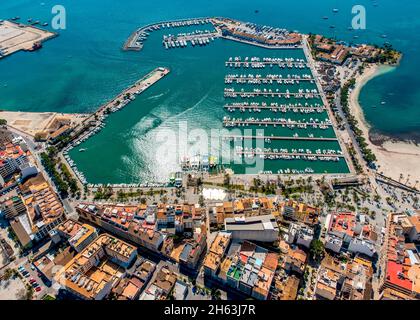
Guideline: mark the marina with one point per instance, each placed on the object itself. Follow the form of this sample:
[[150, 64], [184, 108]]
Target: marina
[[136, 40], [279, 140], [268, 139], [270, 97], [195, 38], [277, 121], [269, 79], [258, 63], [306, 94], [275, 107]]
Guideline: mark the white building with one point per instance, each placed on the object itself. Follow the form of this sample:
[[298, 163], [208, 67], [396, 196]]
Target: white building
[[258, 228], [333, 243], [300, 234], [363, 246]]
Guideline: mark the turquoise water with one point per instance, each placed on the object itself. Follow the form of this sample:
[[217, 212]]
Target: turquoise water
[[85, 66]]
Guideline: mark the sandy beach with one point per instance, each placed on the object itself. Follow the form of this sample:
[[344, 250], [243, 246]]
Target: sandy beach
[[393, 157]]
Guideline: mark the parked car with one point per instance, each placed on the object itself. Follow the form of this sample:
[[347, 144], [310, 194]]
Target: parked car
[[38, 289]]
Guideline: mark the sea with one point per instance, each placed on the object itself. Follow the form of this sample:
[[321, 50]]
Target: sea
[[85, 66]]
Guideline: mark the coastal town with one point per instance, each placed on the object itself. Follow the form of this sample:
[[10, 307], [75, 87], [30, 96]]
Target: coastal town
[[329, 218]]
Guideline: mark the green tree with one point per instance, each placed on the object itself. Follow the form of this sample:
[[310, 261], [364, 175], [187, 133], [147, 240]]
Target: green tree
[[316, 249]]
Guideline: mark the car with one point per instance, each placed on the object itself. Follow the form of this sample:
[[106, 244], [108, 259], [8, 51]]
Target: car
[[32, 267], [35, 285], [27, 275], [32, 280], [38, 289]]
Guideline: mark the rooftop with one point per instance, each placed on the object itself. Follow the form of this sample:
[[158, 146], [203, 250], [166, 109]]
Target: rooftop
[[81, 275]]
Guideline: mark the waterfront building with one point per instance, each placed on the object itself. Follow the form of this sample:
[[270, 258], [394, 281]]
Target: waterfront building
[[330, 51], [150, 228], [59, 133], [128, 222], [92, 273], [246, 207]]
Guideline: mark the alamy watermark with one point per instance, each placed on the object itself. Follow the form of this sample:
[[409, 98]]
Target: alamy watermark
[[359, 19], [59, 20]]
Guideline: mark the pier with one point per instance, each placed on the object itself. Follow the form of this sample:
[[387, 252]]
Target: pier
[[275, 108], [128, 94], [270, 79], [231, 93], [236, 137], [95, 122], [257, 64], [318, 156], [303, 125]]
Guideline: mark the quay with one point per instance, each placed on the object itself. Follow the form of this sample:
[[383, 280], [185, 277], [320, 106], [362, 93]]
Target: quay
[[16, 37], [129, 94], [236, 137]]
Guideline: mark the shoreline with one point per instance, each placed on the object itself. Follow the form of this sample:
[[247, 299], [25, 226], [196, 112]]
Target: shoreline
[[394, 157]]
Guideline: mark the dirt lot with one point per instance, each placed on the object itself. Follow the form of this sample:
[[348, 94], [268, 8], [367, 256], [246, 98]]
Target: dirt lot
[[15, 37]]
